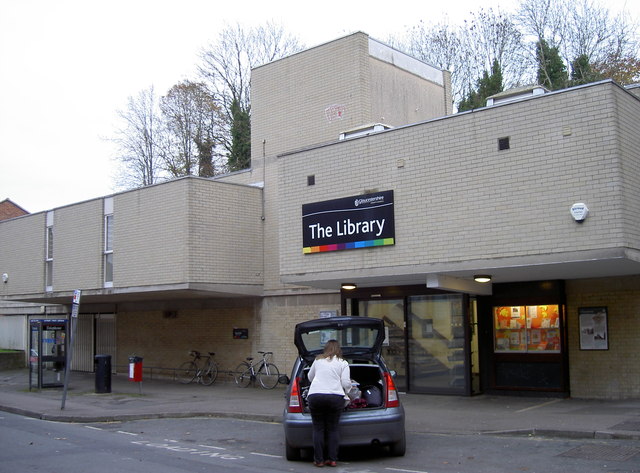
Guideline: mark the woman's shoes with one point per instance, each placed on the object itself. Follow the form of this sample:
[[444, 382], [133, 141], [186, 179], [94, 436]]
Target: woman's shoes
[[326, 463]]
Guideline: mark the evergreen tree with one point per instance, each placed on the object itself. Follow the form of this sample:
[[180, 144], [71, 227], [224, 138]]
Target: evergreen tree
[[582, 72], [552, 72], [488, 85], [240, 154]]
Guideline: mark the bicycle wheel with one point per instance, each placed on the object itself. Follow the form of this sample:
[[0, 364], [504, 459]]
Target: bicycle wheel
[[210, 375], [268, 375], [242, 374], [187, 372]]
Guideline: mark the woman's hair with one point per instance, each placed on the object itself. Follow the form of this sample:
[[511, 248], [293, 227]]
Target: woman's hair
[[331, 349]]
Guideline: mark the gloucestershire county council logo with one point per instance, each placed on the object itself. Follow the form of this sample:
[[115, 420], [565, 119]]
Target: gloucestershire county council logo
[[378, 199]]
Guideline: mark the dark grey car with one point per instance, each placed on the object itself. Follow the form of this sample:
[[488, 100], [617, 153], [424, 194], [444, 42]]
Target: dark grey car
[[376, 416]]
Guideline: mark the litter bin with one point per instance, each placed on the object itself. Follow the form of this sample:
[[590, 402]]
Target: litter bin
[[102, 367], [135, 368]]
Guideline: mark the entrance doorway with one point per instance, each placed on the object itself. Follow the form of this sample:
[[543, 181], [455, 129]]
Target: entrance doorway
[[430, 343]]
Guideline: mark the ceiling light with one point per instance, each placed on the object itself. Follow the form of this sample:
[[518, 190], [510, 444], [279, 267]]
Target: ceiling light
[[482, 278], [348, 286]]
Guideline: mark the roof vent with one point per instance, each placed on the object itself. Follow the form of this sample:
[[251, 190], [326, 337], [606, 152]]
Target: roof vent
[[364, 130], [513, 95]]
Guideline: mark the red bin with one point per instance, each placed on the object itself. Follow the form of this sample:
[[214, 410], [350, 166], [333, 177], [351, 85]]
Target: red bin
[[135, 368]]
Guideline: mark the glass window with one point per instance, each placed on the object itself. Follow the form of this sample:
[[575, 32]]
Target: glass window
[[108, 233], [48, 265], [523, 329], [108, 250]]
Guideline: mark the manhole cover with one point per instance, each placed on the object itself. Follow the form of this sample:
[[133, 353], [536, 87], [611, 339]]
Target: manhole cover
[[601, 452], [627, 425]]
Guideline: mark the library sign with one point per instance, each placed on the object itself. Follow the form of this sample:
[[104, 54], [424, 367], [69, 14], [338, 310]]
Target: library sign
[[360, 221]]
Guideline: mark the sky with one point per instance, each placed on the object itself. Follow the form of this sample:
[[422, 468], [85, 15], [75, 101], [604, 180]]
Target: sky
[[68, 66]]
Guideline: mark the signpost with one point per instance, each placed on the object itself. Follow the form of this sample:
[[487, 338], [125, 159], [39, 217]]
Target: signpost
[[75, 309]]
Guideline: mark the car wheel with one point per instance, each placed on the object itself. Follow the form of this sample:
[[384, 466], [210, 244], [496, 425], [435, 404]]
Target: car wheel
[[291, 453], [399, 448]]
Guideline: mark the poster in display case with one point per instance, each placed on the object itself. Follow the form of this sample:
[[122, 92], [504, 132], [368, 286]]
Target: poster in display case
[[594, 333], [524, 329]]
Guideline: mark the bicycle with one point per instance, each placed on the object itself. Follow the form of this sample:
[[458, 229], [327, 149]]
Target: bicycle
[[264, 371], [205, 373]]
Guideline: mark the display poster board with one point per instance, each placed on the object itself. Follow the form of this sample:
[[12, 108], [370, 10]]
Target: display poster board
[[594, 333]]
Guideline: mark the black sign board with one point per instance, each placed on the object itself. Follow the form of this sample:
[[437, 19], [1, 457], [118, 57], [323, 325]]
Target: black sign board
[[354, 222]]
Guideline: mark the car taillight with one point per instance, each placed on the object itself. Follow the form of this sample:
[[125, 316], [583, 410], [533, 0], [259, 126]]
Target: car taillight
[[295, 403], [392, 392]]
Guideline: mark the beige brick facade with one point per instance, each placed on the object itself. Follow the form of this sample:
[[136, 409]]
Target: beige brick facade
[[461, 202], [196, 258], [614, 373]]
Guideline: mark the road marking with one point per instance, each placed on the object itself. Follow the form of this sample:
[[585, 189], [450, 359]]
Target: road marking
[[544, 404], [188, 450], [92, 427], [408, 471], [127, 433], [211, 446], [265, 455]]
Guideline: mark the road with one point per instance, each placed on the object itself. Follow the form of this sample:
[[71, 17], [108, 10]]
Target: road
[[228, 445]]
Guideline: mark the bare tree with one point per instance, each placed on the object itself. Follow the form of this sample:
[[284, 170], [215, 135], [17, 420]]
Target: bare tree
[[469, 50], [192, 117], [580, 29], [226, 67], [140, 141], [492, 35]]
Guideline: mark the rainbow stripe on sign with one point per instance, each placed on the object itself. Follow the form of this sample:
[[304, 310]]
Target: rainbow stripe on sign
[[347, 246]]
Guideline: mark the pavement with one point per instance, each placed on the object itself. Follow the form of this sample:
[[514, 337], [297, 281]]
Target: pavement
[[165, 398]]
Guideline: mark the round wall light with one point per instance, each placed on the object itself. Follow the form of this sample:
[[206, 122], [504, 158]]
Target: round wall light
[[482, 278], [348, 286]]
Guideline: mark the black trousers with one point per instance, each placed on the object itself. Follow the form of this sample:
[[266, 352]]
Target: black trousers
[[325, 414]]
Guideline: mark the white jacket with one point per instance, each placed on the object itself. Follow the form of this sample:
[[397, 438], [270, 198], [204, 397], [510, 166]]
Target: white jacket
[[329, 376]]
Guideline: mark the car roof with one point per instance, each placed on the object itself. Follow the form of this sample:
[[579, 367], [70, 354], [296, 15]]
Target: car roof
[[359, 336]]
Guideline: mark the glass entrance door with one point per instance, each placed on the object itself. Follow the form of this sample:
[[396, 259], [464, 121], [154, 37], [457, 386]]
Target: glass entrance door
[[430, 341], [394, 350], [436, 339]]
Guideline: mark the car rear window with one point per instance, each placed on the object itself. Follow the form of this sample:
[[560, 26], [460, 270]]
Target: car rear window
[[349, 337]]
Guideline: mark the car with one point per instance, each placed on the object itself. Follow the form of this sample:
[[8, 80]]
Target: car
[[374, 417]]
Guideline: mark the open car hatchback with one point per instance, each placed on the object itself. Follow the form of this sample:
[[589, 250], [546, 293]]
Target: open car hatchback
[[374, 415]]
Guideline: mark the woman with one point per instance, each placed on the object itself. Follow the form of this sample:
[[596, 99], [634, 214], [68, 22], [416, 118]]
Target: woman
[[330, 380]]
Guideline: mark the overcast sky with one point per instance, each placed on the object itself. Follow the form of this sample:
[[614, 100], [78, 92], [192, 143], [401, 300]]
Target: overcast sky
[[67, 66]]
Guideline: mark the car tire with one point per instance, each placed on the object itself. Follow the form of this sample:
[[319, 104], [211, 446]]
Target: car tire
[[291, 453], [398, 448]]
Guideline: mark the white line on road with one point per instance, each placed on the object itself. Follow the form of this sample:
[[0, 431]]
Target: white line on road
[[127, 433], [266, 455], [211, 446], [408, 471]]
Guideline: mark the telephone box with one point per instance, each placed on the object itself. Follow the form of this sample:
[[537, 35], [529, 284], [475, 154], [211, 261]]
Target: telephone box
[[47, 353]]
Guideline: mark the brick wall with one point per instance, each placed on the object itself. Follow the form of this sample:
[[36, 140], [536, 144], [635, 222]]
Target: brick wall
[[166, 341], [457, 198], [22, 254], [78, 246], [614, 373]]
